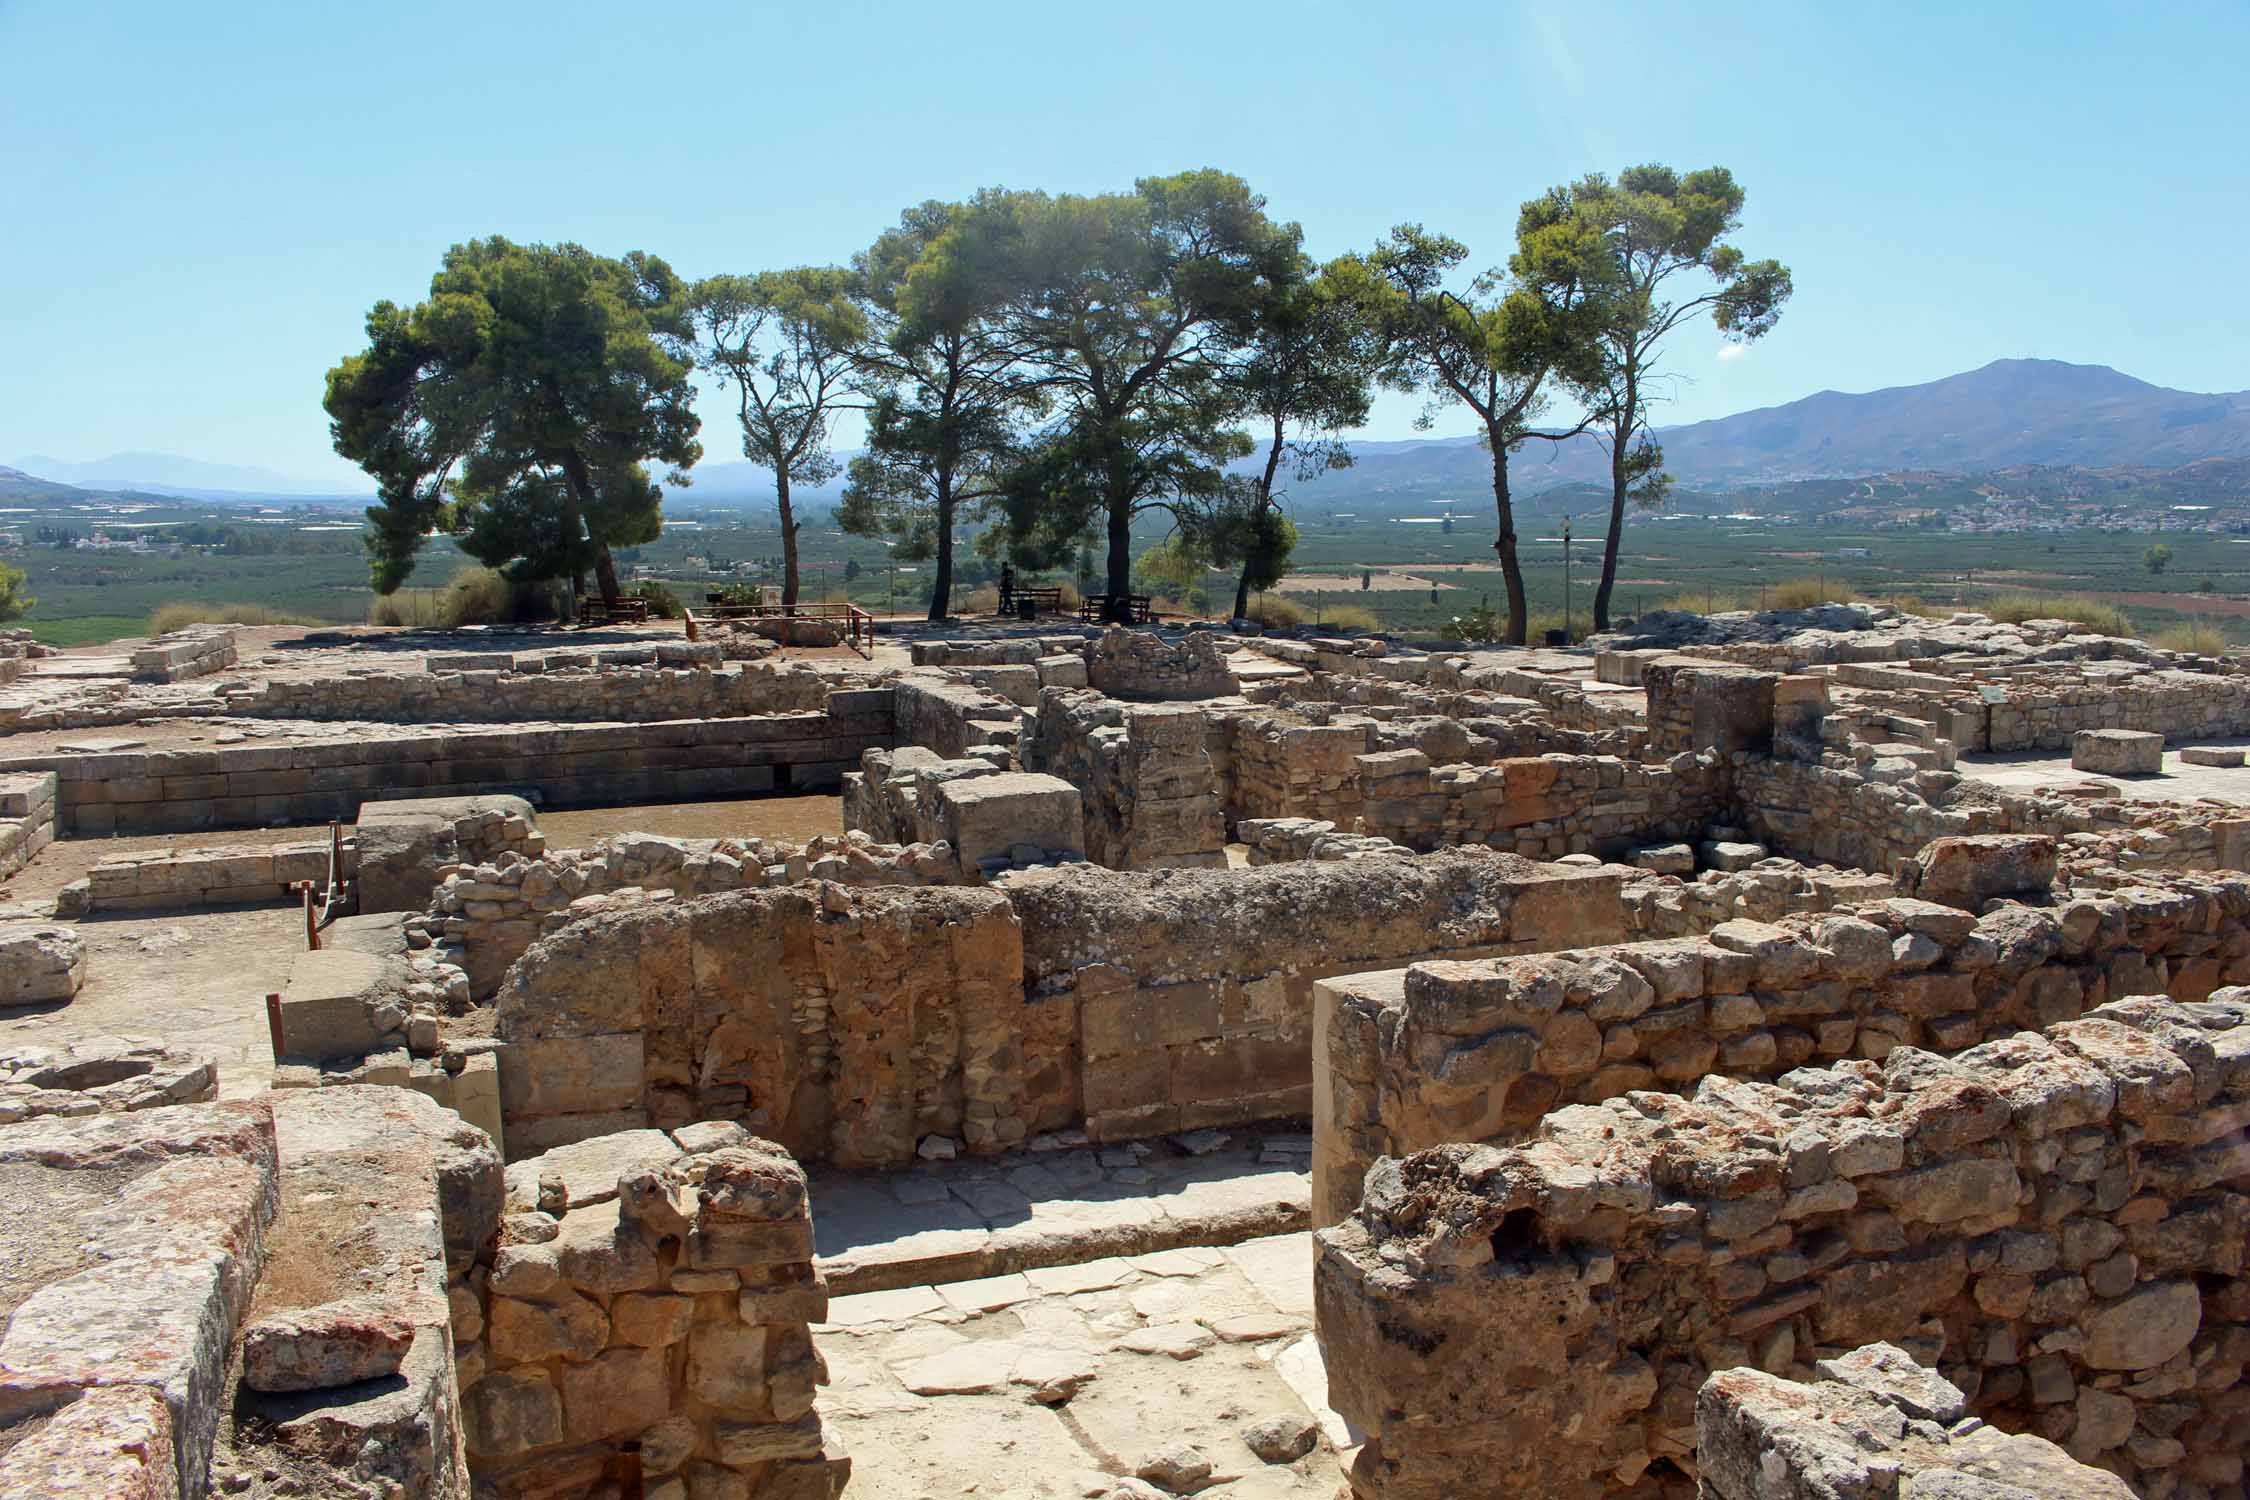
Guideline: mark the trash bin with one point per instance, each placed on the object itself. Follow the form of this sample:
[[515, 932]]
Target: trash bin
[[1027, 609]]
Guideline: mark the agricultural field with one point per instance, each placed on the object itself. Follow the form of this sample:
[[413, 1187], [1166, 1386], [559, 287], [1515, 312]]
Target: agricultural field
[[1411, 575]]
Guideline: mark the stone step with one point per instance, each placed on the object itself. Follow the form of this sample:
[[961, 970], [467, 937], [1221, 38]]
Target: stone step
[[962, 1220]]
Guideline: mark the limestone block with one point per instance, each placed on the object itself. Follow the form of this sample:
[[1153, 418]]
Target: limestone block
[[2212, 755], [2117, 752], [984, 817], [1967, 870], [335, 1343], [40, 963]]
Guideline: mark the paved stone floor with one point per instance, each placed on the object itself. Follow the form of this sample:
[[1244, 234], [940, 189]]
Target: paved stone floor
[[2178, 781], [1057, 1203], [1056, 1382]]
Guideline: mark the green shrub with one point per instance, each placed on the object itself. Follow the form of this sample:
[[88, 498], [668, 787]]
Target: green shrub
[[14, 602], [479, 596], [2091, 616], [1804, 593], [1482, 625], [1707, 602], [1278, 612], [663, 604], [1346, 617], [2190, 635], [170, 617]]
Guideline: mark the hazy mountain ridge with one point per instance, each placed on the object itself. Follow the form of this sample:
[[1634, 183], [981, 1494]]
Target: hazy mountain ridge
[[2013, 414]]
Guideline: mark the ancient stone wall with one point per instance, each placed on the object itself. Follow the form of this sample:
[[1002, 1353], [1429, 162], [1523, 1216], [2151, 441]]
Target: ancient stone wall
[[673, 680], [174, 791], [195, 651], [646, 1318], [27, 818], [2055, 1220], [1189, 996], [850, 1023], [933, 711], [2182, 706], [1142, 666], [1151, 797], [1473, 1051], [1875, 1422], [845, 1023], [483, 916], [1539, 807]]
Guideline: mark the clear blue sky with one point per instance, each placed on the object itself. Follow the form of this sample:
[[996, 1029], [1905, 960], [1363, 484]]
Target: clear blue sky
[[202, 200]]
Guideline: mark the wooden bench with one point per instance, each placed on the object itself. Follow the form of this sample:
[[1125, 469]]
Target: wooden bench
[[1139, 608], [630, 610], [1048, 601]]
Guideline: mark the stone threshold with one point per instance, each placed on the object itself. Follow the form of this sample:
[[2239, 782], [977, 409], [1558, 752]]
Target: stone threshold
[[1060, 1203]]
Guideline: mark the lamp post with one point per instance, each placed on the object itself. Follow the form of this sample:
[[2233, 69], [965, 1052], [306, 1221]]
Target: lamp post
[[1566, 580]]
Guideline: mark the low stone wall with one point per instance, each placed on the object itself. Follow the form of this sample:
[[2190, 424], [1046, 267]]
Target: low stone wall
[[1874, 1423], [1540, 807], [647, 1312], [130, 1339], [2181, 706], [27, 818], [931, 710], [348, 1383], [1189, 996], [176, 791], [1142, 666], [1477, 1051], [216, 875], [850, 1023], [1664, 906], [2055, 1219], [483, 916], [845, 1023], [196, 651], [669, 680]]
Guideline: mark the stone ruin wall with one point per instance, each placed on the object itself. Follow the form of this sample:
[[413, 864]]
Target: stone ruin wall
[[1477, 1051], [645, 1321], [219, 1322], [176, 791], [483, 916], [1189, 995], [1152, 799], [845, 1023], [27, 818], [1874, 1422], [2055, 1220], [1129, 1004], [667, 681]]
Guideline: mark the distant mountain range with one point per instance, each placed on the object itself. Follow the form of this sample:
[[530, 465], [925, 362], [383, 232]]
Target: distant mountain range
[[171, 474], [2009, 414]]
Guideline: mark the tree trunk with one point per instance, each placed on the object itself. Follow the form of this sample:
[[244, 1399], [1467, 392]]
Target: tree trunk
[[605, 574], [1511, 571], [1265, 503], [941, 587], [1119, 610], [1616, 530], [788, 540], [1620, 439], [582, 503]]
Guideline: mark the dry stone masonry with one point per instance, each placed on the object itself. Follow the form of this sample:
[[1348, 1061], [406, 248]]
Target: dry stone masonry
[[1744, 1061]]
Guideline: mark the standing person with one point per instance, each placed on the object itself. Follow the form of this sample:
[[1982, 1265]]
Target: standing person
[[1007, 588]]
